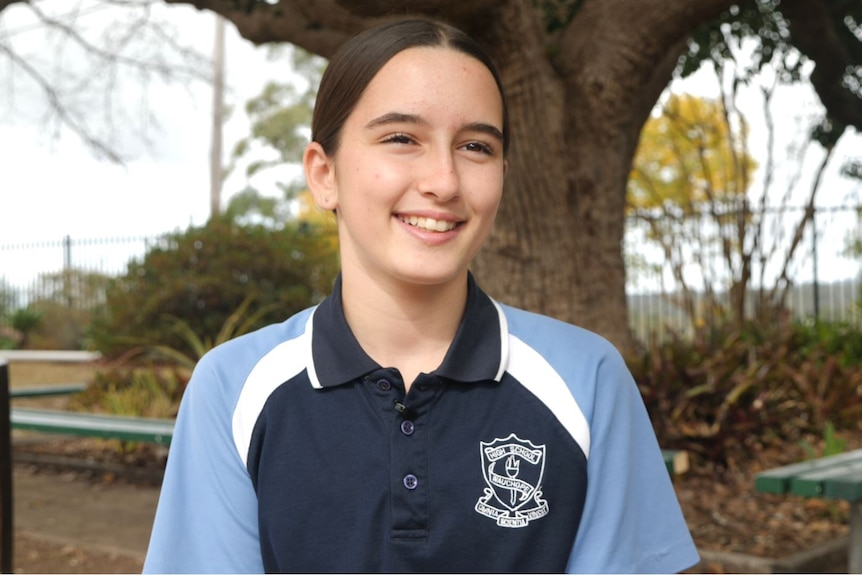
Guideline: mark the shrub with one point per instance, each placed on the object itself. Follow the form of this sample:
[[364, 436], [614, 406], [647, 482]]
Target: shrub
[[25, 320], [61, 327], [201, 276], [732, 390], [135, 391]]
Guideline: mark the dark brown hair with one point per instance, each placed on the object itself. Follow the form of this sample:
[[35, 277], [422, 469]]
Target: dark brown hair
[[358, 60]]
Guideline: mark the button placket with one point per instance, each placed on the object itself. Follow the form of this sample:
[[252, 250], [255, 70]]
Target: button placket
[[409, 440]]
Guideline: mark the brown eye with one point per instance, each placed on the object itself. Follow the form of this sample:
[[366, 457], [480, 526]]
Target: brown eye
[[480, 147], [398, 139]]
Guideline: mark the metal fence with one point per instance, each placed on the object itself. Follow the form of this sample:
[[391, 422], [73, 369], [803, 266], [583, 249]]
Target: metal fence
[[821, 276], [59, 270], [825, 282]]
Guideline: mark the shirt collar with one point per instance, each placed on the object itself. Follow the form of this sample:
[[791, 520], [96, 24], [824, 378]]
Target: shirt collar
[[479, 351]]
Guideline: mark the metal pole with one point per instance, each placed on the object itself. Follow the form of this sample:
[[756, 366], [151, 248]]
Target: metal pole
[[814, 257], [6, 516], [854, 543], [218, 118], [67, 252]]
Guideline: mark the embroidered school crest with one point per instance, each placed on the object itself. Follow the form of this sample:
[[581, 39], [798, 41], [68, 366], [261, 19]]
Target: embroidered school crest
[[513, 470]]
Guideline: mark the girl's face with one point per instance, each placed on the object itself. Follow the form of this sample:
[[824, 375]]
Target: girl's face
[[418, 174]]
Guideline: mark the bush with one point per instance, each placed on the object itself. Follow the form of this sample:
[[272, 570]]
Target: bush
[[61, 327], [133, 391], [202, 276], [731, 391]]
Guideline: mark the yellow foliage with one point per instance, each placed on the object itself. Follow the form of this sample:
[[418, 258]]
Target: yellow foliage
[[692, 153]]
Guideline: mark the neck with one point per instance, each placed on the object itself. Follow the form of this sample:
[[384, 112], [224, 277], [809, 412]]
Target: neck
[[408, 327]]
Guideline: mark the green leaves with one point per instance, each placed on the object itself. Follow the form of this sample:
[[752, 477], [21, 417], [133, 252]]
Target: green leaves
[[280, 117], [201, 277], [236, 324], [731, 390]]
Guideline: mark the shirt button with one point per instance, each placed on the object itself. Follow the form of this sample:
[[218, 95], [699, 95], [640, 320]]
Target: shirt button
[[407, 427], [410, 481], [384, 385]]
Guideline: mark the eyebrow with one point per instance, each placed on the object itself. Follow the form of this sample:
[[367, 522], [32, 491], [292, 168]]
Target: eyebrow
[[401, 118]]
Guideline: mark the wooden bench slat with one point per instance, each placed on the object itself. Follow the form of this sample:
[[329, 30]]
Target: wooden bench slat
[[158, 431], [812, 483], [845, 488], [675, 461], [47, 390], [835, 477], [778, 480]]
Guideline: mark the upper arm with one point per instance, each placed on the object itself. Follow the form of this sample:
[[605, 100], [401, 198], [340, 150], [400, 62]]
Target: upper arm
[[206, 520]]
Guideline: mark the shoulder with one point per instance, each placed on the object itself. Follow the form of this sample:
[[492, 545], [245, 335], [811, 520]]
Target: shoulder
[[543, 350], [224, 370], [249, 348], [550, 336]]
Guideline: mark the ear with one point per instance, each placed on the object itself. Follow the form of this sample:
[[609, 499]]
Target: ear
[[320, 176], [505, 167]]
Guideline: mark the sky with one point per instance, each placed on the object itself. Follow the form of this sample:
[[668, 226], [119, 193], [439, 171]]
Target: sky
[[52, 185]]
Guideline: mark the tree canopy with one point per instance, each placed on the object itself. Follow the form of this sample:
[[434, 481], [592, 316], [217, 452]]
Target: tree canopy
[[582, 77]]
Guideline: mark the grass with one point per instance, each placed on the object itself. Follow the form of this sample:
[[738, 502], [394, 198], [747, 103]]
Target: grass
[[24, 374]]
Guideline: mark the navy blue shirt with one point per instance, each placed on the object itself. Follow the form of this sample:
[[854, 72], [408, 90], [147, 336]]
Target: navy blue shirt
[[527, 450]]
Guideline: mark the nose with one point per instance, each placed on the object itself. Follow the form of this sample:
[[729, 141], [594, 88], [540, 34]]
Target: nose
[[439, 175]]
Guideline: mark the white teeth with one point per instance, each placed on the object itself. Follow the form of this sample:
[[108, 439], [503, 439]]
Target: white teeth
[[429, 224]]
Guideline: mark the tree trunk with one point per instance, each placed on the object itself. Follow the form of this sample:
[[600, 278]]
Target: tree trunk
[[557, 247]]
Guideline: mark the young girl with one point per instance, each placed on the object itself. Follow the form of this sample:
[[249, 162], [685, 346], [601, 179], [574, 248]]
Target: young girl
[[409, 423]]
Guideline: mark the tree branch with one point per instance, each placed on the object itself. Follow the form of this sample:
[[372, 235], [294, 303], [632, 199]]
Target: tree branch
[[59, 109], [814, 30], [321, 26], [6, 3], [113, 56], [141, 44]]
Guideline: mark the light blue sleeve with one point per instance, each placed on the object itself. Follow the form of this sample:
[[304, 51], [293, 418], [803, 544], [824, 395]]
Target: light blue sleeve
[[632, 521], [207, 519]]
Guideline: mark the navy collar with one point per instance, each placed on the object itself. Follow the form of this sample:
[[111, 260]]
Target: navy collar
[[479, 351]]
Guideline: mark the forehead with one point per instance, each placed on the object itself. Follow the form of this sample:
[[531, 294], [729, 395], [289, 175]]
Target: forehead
[[434, 79]]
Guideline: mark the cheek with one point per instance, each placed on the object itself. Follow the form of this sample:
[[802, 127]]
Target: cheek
[[489, 199]]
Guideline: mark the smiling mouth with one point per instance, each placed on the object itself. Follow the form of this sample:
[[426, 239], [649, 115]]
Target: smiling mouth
[[429, 224]]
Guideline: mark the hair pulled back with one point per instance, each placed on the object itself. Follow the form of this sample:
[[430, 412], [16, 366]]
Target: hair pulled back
[[358, 60]]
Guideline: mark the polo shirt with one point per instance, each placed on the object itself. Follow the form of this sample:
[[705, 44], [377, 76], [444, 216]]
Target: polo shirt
[[528, 450]]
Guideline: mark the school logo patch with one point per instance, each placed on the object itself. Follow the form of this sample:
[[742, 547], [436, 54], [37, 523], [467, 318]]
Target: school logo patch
[[513, 469]]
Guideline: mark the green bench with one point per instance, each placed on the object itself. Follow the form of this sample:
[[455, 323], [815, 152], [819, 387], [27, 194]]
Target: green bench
[[47, 390], [835, 477], [159, 431]]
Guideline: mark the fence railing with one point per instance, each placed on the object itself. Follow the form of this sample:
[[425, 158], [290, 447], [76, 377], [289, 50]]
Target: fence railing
[[72, 271], [65, 271]]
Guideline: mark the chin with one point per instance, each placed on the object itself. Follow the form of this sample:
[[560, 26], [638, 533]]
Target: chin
[[426, 276]]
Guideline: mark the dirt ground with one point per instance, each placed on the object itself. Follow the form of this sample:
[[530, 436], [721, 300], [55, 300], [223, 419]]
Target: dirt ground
[[68, 519], [73, 522]]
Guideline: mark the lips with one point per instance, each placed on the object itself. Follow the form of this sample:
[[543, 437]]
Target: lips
[[429, 224]]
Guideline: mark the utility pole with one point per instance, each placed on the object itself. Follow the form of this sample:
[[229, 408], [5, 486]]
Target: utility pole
[[217, 118]]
